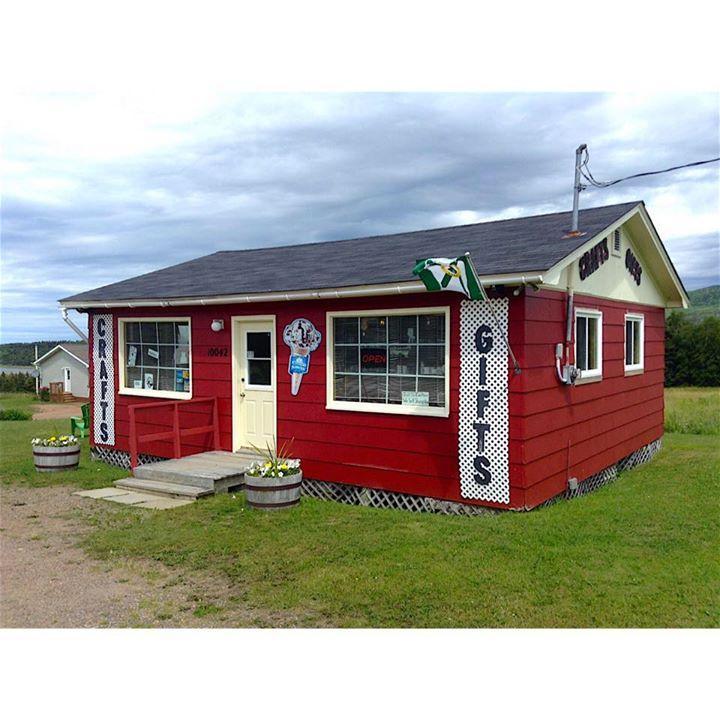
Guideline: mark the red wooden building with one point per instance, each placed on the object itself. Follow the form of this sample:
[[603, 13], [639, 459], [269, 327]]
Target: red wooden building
[[388, 387]]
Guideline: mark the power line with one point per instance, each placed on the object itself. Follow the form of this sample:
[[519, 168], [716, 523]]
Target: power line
[[585, 171]]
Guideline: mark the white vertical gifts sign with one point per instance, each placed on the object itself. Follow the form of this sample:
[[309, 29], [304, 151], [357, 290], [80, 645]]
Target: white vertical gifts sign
[[483, 435], [103, 380]]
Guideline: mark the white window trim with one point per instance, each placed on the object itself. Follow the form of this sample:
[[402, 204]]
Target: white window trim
[[142, 392], [591, 313], [636, 317], [332, 404]]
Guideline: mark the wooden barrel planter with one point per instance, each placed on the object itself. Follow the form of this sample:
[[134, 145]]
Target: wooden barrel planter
[[269, 493], [56, 459]]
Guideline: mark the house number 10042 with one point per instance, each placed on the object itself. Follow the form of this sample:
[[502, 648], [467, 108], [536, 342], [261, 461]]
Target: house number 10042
[[217, 352]]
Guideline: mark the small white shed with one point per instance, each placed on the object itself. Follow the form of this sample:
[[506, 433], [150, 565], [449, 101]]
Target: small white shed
[[67, 364]]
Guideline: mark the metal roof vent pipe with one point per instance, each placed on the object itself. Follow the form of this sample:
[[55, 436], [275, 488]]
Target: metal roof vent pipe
[[578, 187]]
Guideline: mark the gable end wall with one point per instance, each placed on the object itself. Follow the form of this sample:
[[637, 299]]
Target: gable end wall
[[558, 431]]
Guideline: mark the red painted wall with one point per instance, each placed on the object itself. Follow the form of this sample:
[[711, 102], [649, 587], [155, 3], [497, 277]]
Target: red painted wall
[[559, 431], [602, 422], [411, 454]]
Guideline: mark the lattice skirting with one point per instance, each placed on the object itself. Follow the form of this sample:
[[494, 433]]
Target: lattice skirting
[[608, 475], [355, 495], [120, 458]]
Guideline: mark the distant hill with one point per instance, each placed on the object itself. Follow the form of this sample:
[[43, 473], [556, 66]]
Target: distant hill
[[24, 353], [704, 302]]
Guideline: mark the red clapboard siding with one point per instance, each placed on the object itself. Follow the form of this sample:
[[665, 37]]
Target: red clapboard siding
[[558, 432], [399, 452]]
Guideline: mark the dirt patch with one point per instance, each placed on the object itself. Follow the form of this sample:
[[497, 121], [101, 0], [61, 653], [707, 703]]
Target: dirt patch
[[57, 411], [46, 580]]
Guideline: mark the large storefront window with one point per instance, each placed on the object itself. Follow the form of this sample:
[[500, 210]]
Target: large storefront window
[[155, 357], [391, 361]]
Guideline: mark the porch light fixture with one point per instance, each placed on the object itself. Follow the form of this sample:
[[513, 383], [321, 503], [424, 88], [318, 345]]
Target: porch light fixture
[[217, 325]]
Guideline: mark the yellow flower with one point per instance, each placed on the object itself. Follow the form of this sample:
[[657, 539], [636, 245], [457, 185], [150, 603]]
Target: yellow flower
[[53, 438]]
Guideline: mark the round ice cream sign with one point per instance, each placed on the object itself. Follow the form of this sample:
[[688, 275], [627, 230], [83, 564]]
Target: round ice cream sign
[[302, 338]]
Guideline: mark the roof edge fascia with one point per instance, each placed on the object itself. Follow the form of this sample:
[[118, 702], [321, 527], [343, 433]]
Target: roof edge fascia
[[400, 288]]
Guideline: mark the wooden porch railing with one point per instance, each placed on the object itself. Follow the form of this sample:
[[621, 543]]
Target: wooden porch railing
[[57, 391], [177, 434]]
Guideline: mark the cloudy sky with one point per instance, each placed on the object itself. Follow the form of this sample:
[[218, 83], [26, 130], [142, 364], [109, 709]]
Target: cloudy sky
[[100, 188]]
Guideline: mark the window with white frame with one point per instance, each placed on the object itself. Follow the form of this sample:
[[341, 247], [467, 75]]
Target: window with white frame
[[634, 342], [389, 361], [155, 357], [588, 342]]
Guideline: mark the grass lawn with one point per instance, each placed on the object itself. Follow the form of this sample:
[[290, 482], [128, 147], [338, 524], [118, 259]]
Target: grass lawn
[[692, 410], [18, 401], [640, 552], [16, 460]]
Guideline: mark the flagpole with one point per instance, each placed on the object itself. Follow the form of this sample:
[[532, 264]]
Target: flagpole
[[495, 317]]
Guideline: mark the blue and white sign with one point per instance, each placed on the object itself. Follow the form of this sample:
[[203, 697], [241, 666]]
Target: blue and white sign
[[299, 364], [103, 380], [302, 338]]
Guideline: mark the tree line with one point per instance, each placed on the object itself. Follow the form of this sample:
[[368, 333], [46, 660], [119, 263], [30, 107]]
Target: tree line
[[692, 351], [23, 353]]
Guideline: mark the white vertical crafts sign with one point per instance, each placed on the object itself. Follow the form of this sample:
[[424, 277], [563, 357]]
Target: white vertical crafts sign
[[103, 380], [484, 417]]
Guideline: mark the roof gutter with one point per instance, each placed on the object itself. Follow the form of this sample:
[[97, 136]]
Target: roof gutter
[[414, 286], [72, 325]]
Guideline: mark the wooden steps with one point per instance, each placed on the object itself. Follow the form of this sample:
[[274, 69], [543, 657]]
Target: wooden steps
[[165, 489], [67, 398], [192, 476]]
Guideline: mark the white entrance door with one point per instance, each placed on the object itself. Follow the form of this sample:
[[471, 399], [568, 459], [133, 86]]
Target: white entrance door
[[66, 379], [255, 386]]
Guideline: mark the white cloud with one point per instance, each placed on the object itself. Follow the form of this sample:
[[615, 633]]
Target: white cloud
[[99, 187]]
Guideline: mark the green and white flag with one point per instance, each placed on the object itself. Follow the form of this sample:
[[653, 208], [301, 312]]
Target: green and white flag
[[457, 274]]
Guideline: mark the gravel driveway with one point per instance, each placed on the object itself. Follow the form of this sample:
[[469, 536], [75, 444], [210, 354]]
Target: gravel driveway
[[56, 411], [46, 580]]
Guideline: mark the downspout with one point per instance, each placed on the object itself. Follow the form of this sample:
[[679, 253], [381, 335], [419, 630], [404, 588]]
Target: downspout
[[73, 326], [567, 373]]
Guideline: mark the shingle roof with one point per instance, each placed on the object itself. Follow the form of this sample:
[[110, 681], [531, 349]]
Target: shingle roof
[[79, 350], [518, 245]]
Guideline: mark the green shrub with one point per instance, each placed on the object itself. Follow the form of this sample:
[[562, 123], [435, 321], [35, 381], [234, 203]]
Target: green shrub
[[13, 414], [44, 394], [692, 351], [16, 382]]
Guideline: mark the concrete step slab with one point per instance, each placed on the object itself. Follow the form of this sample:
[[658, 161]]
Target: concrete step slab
[[126, 496], [129, 498], [100, 493]]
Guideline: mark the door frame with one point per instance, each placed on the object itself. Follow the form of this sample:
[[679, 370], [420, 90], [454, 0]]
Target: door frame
[[235, 322], [67, 378]]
